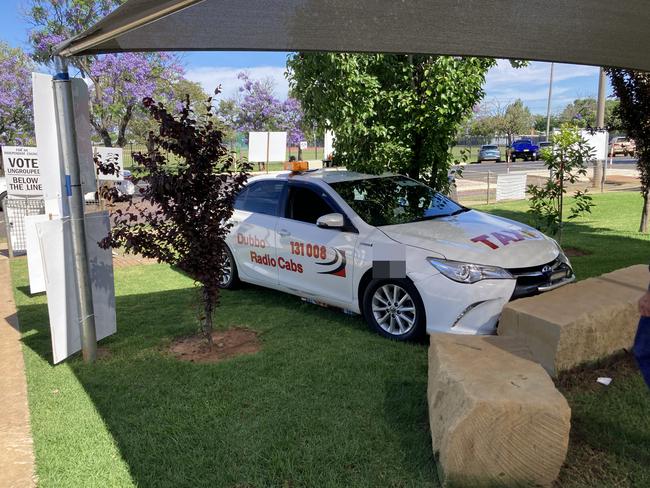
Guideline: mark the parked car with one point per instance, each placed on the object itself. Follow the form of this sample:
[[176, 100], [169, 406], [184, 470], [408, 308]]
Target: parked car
[[323, 235], [622, 146], [489, 152], [544, 145], [524, 149]]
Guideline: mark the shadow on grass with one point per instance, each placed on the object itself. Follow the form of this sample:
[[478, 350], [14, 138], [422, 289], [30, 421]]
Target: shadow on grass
[[325, 402]]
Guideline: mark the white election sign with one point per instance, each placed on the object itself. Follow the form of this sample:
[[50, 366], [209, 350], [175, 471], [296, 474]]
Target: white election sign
[[34, 257], [330, 139], [598, 141], [110, 156], [56, 251], [22, 171], [267, 146], [45, 124], [511, 187]]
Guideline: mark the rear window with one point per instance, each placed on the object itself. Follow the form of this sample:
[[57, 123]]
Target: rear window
[[491, 148], [262, 197]]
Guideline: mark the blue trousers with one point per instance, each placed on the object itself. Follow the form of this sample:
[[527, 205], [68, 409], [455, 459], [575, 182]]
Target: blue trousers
[[642, 348]]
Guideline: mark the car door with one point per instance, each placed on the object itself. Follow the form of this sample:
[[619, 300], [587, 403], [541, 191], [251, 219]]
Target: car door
[[313, 261], [253, 239]]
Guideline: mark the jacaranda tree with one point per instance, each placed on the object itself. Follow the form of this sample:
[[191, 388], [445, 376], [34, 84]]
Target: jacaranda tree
[[16, 118], [119, 81], [183, 216], [258, 109]]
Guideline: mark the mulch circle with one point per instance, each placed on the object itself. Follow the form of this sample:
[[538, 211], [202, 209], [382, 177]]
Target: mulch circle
[[574, 252], [233, 342]]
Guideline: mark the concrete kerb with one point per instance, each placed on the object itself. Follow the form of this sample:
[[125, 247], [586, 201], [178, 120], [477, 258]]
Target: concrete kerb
[[496, 417], [579, 323], [16, 446]]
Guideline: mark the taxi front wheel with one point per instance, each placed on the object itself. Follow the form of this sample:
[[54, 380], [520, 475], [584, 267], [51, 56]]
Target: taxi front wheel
[[229, 276], [394, 309]]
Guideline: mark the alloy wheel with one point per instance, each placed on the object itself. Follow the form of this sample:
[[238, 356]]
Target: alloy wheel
[[394, 309]]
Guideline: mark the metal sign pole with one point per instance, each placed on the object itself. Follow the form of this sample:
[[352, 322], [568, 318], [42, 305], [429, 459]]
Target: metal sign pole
[[268, 148], [67, 140]]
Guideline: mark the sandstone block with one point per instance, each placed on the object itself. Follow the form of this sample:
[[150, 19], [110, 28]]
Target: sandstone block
[[496, 417], [578, 323]]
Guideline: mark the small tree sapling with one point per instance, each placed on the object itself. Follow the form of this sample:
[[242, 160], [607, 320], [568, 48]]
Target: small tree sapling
[[182, 217], [566, 161]]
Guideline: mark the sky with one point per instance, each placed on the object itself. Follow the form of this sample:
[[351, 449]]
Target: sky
[[503, 86]]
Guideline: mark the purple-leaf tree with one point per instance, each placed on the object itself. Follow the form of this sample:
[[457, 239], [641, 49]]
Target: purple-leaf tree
[[16, 118], [119, 81], [183, 216]]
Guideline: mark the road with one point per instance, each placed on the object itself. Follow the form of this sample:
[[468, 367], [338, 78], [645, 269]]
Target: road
[[480, 170]]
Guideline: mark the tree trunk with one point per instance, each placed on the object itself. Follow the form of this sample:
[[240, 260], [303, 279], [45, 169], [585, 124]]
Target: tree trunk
[[106, 137], [209, 302], [414, 165], [645, 214], [417, 72], [103, 133], [150, 143], [124, 123]]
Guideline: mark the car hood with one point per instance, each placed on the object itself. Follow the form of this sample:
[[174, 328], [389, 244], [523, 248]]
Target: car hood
[[479, 238]]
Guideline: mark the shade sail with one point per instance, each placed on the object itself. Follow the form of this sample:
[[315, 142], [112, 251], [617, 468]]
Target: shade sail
[[595, 32]]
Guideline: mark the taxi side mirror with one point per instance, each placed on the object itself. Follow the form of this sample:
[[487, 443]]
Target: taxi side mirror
[[331, 221]]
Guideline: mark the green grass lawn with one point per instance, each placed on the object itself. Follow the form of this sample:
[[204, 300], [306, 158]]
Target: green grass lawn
[[324, 403]]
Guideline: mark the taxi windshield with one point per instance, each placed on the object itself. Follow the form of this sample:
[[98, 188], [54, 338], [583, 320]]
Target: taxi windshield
[[395, 200]]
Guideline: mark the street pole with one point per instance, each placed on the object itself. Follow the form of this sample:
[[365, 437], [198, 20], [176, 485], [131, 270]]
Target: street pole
[[548, 105], [67, 140], [599, 167]]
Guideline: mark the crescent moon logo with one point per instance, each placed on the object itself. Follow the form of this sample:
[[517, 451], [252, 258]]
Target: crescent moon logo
[[339, 260]]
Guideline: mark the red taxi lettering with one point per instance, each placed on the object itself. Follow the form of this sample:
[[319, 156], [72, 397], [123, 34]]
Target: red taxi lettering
[[485, 240], [505, 237]]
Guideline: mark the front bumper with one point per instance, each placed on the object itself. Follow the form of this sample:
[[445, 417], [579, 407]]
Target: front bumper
[[475, 309], [462, 308]]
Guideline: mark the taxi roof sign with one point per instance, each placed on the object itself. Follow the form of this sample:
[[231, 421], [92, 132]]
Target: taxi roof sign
[[296, 166]]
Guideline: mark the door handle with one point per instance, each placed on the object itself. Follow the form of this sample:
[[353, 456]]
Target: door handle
[[284, 233]]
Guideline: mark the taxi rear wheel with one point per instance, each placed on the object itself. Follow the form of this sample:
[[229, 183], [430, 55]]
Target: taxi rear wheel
[[229, 276], [394, 309]]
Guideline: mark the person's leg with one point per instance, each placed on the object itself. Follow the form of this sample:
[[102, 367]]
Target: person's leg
[[641, 348]]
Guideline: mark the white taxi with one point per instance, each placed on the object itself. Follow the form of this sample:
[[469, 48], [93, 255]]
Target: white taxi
[[318, 235]]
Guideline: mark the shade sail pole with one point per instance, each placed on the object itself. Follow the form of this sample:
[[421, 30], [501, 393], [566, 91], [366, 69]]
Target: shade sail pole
[[67, 136]]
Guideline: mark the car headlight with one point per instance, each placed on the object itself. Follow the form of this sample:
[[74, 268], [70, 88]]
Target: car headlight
[[561, 256], [467, 272]]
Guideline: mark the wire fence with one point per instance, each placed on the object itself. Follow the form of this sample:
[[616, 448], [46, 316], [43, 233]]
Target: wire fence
[[15, 211]]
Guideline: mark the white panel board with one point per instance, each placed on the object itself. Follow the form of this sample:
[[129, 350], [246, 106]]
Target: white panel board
[[599, 142], [45, 128], [511, 187], [81, 103], [328, 145], [110, 155], [257, 145], [277, 146], [22, 171], [34, 257], [47, 144], [56, 249]]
